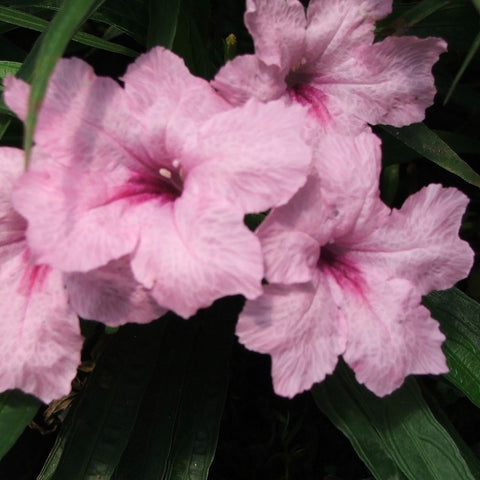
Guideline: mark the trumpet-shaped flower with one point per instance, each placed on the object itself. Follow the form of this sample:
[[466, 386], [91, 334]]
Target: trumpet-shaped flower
[[162, 170], [326, 58], [40, 334], [346, 275]]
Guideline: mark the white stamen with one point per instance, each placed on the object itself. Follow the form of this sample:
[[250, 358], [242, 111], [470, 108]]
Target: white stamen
[[176, 163], [165, 173]]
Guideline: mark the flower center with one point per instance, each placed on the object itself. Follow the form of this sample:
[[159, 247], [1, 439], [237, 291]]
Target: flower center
[[334, 262], [312, 98], [173, 177]]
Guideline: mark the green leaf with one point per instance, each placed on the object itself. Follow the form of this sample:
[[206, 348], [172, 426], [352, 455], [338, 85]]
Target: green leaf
[[192, 38], [422, 10], [8, 68], [429, 145], [177, 428], [97, 430], [38, 24], [61, 29], [470, 55], [477, 4], [397, 436], [459, 317], [162, 23], [17, 410]]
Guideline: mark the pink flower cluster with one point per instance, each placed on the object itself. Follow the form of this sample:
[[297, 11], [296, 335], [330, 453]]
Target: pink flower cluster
[[135, 200]]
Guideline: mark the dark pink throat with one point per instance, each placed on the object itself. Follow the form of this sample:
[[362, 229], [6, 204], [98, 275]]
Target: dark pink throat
[[312, 98], [165, 183], [334, 262]]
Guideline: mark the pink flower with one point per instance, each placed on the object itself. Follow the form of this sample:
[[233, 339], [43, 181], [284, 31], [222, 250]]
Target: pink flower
[[162, 171], [39, 331], [346, 275], [325, 58]]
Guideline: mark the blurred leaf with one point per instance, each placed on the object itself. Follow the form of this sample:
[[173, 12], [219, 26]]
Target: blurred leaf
[[470, 55], [421, 10], [128, 16], [192, 37], [162, 23], [396, 436], [97, 430], [176, 433], [390, 180], [477, 4], [71, 15], [459, 317], [38, 24], [17, 410], [9, 68], [429, 145]]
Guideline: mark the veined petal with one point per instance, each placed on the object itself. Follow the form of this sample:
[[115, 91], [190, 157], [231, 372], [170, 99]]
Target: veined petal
[[16, 95], [111, 295], [390, 335], [254, 155], [167, 103], [389, 82], [195, 251], [78, 219], [40, 333], [12, 225], [301, 328], [245, 77], [420, 241], [84, 119], [334, 28], [278, 29]]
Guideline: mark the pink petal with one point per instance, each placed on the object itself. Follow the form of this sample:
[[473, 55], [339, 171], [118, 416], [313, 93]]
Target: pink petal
[[302, 330], [349, 170], [16, 95], [336, 28], [167, 102], [78, 219], [390, 335], [278, 30], [300, 225], [196, 250], [389, 82], [84, 120], [12, 225], [253, 155], [40, 334], [420, 241], [39, 331], [111, 295], [246, 76]]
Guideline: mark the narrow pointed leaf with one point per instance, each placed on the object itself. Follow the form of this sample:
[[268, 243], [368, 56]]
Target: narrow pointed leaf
[[470, 56], [422, 10], [396, 436], [177, 428], [98, 428], [17, 409], [38, 24], [61, 29], [429, 145], [459, 317]]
